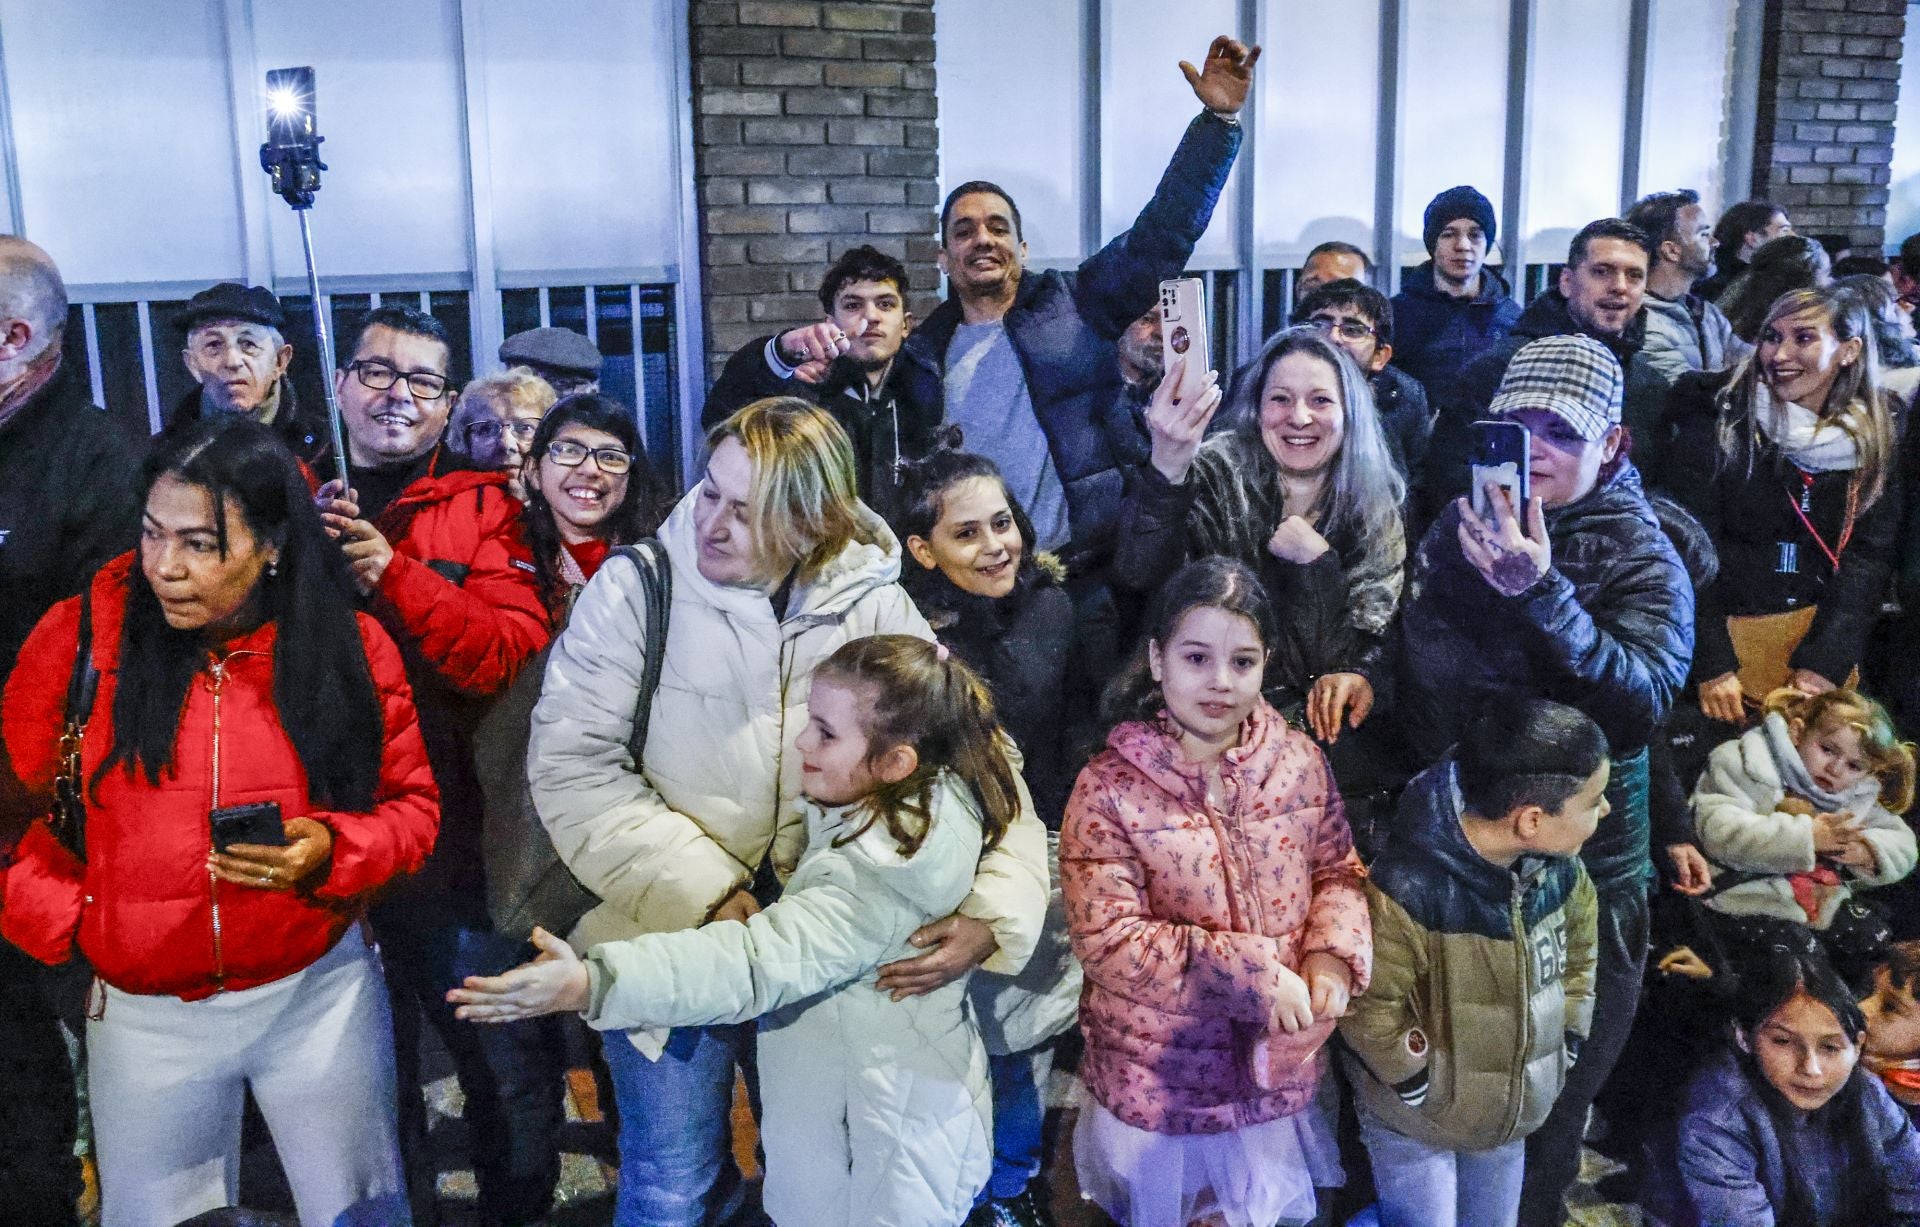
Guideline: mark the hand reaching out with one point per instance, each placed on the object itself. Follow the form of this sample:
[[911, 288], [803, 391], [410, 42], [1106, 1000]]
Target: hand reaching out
[[554, 983]]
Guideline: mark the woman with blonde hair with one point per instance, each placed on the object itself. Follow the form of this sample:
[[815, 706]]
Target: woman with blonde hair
[[773, 563], [1789, 462], [495, 418]]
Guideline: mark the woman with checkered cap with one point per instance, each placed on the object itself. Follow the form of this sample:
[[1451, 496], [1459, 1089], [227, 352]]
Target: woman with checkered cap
[[1577, 597]]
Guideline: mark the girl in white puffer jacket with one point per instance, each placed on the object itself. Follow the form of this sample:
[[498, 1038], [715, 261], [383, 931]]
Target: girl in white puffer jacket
[[875, 1110]]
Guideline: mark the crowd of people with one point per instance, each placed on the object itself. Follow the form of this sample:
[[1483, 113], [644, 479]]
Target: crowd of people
[[1368, 844]]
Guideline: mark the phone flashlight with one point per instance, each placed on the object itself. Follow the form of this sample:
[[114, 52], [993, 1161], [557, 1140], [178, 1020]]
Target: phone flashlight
[[292, 152]]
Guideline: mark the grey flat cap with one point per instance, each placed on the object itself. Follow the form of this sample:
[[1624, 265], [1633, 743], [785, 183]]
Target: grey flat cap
[[558, 349]]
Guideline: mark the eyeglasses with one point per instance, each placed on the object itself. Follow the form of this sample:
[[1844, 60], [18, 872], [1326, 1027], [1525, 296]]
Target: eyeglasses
[[493, 428], [1349, 329], [424, 385], [568, 454]]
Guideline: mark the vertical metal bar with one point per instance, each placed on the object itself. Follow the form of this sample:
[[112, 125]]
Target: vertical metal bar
[[483, 307], [546, 313], [1633, 138], [639, 370], [1092, 180], [1513, 210], [144, 311], [1247, 316], [250, 184], [1743, 102], [690, 292], [373, 301], [593, 315], [426, 301], [94, 374], [1389, 146], [16, 218]]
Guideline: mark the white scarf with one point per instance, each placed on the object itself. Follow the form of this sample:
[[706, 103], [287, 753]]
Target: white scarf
[[1814, 446]]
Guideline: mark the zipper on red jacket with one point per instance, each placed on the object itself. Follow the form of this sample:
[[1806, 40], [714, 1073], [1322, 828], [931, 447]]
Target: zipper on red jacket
[[213, 880]]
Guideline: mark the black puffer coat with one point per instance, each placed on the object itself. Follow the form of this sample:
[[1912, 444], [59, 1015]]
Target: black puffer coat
[[1608, 630]]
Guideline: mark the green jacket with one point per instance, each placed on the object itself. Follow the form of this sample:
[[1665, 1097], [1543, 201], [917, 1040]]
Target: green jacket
[[1482, 981]]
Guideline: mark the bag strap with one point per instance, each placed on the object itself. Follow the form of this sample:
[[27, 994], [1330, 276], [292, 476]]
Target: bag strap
[[649, 558], [85, 679]]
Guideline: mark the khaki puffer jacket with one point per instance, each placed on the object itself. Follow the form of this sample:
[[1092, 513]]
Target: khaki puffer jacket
[[719, 790]]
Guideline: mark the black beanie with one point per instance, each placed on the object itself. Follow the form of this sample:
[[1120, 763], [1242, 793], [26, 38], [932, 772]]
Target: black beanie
[[1452, 205]]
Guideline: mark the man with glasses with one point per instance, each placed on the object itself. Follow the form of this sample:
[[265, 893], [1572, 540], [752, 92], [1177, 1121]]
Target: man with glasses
[[436, 545], [1359, 319], [235, 347]]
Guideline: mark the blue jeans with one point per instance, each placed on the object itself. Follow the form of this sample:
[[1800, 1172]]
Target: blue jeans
[[1017, 1117], [510, 1074], [1422, 1186], [674, 1118]]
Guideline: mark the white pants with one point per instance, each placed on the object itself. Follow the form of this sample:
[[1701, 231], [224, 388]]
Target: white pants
[[316, 1048]]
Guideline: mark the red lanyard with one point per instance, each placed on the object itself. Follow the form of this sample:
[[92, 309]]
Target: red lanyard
[[1802, 504]]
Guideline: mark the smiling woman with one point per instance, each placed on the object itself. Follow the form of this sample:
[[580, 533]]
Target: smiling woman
[[589, 487]]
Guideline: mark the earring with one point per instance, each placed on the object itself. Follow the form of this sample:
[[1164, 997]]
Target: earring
[[273, 569]]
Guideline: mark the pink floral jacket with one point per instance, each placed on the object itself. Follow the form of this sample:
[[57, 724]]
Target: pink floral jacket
[[1182, 915]]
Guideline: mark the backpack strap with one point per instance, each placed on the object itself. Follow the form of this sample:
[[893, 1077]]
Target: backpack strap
[[649, 558]]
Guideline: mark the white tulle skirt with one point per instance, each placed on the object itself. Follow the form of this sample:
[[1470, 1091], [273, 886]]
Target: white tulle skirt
[[1257, 1176]]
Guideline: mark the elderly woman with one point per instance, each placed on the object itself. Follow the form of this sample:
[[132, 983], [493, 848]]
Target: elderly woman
[[1580, 598], [223, 863], [775, 563], [1301, 487], [494, 420]]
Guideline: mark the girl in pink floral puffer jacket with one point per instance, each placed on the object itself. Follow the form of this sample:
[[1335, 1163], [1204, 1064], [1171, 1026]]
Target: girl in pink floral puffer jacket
[[1214, 900]]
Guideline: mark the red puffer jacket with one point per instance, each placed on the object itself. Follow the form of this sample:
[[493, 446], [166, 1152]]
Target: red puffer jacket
[[461, 595], [145, 908]]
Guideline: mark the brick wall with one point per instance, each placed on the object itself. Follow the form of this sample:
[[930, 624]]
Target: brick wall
[[1830, 79], [814, 132]]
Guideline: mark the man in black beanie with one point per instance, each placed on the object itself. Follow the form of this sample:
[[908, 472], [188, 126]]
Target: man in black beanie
[[1453, 307]]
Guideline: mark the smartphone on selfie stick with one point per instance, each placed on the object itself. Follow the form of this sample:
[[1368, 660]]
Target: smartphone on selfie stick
[[1183, 331], [1500, 457]]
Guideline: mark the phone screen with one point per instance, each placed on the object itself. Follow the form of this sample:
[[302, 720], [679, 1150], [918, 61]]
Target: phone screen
[[1500, 459]]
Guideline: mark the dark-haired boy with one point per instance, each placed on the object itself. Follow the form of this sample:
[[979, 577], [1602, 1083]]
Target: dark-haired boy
[[852, 365], [1484, 947], [1359, 319]]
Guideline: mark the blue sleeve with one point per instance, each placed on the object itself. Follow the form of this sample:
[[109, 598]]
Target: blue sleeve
[[1120, 282]]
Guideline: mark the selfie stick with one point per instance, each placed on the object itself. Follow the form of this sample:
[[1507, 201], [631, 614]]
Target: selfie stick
[[291, 158]]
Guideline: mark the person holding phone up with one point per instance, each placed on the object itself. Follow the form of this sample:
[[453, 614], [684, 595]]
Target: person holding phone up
[[1580, 598], [252, 770]]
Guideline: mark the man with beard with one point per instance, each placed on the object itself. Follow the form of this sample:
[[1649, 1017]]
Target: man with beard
[[1684, 331], [1600, 294], [852, 365]]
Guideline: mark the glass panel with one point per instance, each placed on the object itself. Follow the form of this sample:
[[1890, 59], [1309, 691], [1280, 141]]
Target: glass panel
[[169, 368], [122, 129], [450, 308], [1575, 135], [661, 426], [567, 307], [1689, 57], [583, 125], [1028, 141], [613, 316], [1146, 104], [519, 311], [1318, 129], [1903, 209], [124, 381], [1456, 108]]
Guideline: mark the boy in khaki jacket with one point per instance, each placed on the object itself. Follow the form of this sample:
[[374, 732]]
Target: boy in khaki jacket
[[1484, 951]]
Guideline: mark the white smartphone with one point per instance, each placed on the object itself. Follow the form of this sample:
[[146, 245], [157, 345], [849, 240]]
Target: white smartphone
[[1183, 330], [1501, 451]]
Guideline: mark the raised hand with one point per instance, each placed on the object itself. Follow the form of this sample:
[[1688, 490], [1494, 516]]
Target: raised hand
[[1510, 560], [1222, 80], [1178, 427], [811, 350]]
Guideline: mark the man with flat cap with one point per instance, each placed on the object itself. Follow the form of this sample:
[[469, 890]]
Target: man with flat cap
[[561, 356], [237, 352]]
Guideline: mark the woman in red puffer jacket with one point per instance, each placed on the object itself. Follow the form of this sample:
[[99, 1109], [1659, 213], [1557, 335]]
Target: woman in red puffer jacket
[[233, 672]]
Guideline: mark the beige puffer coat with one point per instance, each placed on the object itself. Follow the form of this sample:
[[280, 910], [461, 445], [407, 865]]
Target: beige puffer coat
[[719, 790]]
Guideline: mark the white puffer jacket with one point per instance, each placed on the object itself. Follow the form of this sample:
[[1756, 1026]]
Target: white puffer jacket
[[719, 790], [874, 1112]]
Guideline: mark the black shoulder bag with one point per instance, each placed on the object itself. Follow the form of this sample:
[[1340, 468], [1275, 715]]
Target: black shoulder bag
[[67, 819]]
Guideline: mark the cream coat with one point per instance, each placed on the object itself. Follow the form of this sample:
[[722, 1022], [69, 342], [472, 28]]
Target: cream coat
[[874, 1111], [719, 790]]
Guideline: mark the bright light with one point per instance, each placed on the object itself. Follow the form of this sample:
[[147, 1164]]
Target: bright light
[[285, 104]]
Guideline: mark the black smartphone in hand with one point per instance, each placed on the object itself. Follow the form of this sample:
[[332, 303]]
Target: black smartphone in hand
[[258, 823]]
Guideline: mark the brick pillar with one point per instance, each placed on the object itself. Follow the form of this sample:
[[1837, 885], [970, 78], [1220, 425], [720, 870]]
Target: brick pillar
[[814, 132], [1830, 79]]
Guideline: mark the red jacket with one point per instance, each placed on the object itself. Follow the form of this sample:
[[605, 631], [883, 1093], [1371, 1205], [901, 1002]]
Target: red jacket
[[462, 595], [146, 911]]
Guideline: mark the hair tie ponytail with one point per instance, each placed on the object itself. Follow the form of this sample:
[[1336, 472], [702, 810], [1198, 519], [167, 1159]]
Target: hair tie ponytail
[[940, 652]]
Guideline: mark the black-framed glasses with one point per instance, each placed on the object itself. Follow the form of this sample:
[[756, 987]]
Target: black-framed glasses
[[378, 375], [493, 428], [568, 454], [1350, 329]]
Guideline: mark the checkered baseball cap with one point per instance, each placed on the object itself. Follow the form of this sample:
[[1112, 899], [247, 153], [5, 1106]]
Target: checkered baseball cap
[[1573, 377]]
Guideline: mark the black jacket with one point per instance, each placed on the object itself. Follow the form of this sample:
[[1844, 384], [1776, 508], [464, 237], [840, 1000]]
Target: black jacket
[[1747, 504], [67, 505], [1444, 476], [305, 432], [1024, 646], [1608, 630], [895, 423], [1064, 325], [1437, 335], [1405, 417]]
